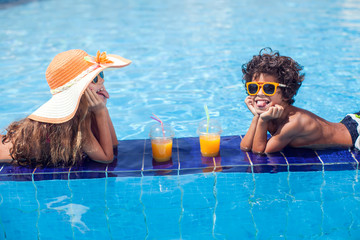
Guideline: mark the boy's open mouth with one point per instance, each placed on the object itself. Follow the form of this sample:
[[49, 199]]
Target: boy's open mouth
[[262, 103]]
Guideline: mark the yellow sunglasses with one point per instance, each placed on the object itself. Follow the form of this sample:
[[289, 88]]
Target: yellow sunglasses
[[269, 88]]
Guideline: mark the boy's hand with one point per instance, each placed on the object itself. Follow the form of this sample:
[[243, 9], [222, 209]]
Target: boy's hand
[[274, 112], [95, 101], [249, 101]]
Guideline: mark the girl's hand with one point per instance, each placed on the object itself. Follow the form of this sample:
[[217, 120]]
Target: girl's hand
[[100, 90], [95, 101], [249, 101], [274, 112]]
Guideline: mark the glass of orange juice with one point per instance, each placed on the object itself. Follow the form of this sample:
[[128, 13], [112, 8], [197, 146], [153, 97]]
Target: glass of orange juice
[[161, 142], [209, 136]]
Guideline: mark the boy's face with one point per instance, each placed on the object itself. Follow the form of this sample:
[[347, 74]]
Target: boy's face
[[263, 102]]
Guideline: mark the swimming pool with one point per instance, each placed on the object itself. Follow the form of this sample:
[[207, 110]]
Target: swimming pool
[[289, 205], [184, 54]]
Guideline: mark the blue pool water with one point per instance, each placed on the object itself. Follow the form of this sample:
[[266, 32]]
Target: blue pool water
[[311, 205], [185, 54]]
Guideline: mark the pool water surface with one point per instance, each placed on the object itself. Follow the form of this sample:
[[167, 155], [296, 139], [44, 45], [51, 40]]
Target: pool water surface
[[185, 54]]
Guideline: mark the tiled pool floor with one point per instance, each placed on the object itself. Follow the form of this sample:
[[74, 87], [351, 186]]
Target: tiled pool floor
[[134, 158]]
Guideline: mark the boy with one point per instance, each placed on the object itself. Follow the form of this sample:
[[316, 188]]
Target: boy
[[271, 82]]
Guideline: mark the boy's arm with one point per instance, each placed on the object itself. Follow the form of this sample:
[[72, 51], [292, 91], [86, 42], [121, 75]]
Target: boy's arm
[[260, 136], [283, 137], [279, 140], [247, 141]]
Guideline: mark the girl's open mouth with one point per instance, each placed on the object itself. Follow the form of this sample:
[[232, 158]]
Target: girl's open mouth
[[103, 93]]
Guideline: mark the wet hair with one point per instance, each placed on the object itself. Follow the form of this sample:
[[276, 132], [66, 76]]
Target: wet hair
[[284, 69], [39, 144]]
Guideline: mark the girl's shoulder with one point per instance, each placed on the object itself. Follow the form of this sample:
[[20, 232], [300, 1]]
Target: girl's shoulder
[[5, 151]]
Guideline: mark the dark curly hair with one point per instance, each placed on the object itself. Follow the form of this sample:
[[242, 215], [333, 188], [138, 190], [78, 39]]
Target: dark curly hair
[[284, 69]]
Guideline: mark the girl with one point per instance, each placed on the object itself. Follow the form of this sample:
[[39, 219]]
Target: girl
[[74, 122]]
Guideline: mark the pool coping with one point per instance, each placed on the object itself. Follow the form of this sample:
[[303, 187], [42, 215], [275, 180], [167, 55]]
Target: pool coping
[[134, 159]]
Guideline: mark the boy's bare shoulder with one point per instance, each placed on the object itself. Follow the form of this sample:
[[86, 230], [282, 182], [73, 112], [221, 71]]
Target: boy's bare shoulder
[[304, 122], [302, 116], [299, 120]]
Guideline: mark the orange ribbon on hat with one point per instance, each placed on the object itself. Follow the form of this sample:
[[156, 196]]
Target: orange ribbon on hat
[[100, 58]]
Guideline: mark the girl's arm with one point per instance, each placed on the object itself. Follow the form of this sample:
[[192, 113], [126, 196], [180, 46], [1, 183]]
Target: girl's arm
[[112, 130], [111, 127], [98, 148]]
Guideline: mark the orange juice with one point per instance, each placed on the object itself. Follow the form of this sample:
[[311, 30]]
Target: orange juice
[[161, 149], [209, 145]]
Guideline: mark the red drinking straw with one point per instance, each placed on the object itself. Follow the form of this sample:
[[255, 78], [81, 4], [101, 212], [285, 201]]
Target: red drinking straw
[[156, 118]]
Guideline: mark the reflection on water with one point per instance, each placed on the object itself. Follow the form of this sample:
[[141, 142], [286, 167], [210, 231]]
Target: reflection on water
[[73, 210], [162, 166], [213, 164]]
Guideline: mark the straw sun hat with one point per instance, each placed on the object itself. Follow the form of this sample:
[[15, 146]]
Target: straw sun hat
[[68, 75]]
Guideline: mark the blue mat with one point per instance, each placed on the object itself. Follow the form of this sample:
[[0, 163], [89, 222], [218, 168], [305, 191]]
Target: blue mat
[[134, 159]]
